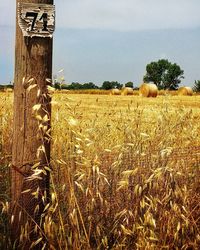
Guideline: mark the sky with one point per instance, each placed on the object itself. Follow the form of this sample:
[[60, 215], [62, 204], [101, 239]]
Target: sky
[[114, 40]]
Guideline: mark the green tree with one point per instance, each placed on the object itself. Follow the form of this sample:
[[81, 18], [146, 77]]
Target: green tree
[[89, 85], [196, 86], [111, 85], [164, 74], [57, 85], [118, 85], [173, 76], [74, 85], [64, 86], [129, 84]]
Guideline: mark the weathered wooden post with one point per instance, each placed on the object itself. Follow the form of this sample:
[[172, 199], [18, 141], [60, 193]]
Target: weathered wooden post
[[32, 115]]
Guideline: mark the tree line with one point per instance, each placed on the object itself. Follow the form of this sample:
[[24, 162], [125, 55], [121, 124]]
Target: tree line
[[90, 85], [164, 74]]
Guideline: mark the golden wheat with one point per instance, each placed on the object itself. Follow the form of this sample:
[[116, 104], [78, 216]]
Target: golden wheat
[[125, 173]]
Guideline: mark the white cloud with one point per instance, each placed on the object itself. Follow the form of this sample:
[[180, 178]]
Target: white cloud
[[119, 15]]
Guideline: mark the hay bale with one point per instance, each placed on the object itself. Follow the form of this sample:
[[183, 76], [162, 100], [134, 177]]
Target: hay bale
[[148, 90], [127, 91], [8, 90], [115, 92], [185, 91]]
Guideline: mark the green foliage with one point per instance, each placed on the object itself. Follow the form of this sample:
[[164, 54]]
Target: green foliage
[[57, 85], [89, 85], [111, 85], [164, 74], [129, 84], [196, 87], [75, 86], [172, 78], [8, 86]]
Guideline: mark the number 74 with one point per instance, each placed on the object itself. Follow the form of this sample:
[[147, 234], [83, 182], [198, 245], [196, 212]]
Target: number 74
[[35, 16]]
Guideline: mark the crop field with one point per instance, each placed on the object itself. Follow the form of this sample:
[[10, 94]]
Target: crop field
[[125, 172]]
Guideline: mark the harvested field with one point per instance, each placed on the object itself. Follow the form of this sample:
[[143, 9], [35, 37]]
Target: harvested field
[[125, 172]]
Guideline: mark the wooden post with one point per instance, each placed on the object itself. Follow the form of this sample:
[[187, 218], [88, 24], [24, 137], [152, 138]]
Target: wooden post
[[31, 132]]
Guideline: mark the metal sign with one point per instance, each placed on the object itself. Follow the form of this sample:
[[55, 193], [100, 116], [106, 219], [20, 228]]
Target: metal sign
[[36, 19]]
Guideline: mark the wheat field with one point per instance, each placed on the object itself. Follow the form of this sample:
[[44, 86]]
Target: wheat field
[[125, 172]]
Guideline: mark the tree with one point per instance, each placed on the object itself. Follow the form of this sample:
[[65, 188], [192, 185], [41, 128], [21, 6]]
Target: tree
[[164, 74], [57, 85], [173, 76], [75, 85], [111, 85], [196, 86], [129, 84], [89, 85]]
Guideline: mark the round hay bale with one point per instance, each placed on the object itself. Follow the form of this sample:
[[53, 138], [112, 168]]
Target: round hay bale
[[148, 90], [127, 91], [8, 90], [190, 91], [185, 91], [115, 92]]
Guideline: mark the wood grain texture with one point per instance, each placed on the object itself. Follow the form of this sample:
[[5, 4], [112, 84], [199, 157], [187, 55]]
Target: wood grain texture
[[33, 60]]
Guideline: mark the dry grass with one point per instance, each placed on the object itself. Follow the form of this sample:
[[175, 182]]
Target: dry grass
[[107, 92], [85, 91], [5, 159], [125, 172]]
